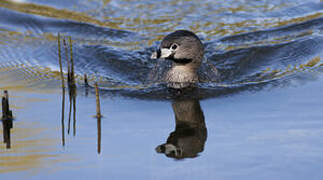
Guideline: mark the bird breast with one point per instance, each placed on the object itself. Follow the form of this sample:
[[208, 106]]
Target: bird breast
[[181, 74]]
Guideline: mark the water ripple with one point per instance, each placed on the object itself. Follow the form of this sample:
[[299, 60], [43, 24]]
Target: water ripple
[[251, 45]]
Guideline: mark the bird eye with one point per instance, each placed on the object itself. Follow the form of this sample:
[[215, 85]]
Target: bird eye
[[173, 46]]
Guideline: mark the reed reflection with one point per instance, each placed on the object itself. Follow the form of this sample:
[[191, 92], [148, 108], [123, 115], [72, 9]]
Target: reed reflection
[[72, 97], [7, 119], [7, 125], [190, 134], [72, 103]]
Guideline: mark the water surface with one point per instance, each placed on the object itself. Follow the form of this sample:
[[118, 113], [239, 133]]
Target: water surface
[[258, 118]]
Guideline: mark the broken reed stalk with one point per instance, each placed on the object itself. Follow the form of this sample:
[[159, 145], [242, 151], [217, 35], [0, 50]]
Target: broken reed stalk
[[85, 80], [73, 85], [70, 94], [72, 61], [98, 110], [63, 87], [68, 63], [60, 60], [70, 82], [86, 84], [98, 116], [6, 112]]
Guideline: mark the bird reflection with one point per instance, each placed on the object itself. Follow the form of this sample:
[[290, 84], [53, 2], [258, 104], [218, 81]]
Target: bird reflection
[[190, 133]]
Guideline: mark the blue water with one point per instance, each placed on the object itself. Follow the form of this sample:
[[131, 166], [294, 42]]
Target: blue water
[[259, 119]]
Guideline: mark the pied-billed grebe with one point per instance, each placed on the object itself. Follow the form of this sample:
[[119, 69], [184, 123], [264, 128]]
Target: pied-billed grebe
[[186, 51]]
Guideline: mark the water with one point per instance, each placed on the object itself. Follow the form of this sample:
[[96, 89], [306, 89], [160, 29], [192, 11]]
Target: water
[[258, 118]]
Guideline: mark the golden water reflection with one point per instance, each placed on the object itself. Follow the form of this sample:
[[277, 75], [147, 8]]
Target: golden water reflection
[[156, 25], [30, 149]]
